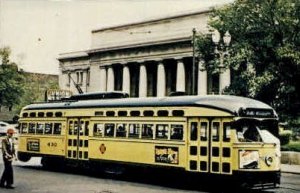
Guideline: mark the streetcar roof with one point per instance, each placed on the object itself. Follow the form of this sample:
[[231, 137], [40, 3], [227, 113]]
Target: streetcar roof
[[228, 103]]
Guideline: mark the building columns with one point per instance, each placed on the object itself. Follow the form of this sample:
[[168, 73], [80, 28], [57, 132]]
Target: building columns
[[103, 79], [180, 77], [224, 80], [110, 79], [126, 80], [161, 80], [202, 79], [143, 81]]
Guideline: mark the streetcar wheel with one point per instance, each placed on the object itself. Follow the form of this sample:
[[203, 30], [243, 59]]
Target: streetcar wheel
[[23, 157]]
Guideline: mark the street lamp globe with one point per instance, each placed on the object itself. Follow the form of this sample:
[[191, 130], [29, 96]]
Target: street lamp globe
[[227, 38], [216, 36]]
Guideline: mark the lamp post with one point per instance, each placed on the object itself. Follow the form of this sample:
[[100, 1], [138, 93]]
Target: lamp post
[[194, 64], [221, 51]]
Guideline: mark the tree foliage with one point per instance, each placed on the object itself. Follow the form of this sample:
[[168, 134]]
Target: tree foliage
[[264, 55], [11, 81]]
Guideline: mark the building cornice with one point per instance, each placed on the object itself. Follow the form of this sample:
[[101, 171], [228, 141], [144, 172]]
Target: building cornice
[[144, 44], [69, 55], [158, 19], [143, 59]]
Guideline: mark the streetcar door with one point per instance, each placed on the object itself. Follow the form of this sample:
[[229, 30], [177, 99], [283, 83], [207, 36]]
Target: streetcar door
[[78, 135], [198, 149], [220, 147]]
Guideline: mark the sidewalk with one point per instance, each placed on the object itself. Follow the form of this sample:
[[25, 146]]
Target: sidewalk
[[293, 169]]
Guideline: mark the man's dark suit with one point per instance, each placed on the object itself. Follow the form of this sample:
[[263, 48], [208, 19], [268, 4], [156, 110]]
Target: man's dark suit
[[8, 152]]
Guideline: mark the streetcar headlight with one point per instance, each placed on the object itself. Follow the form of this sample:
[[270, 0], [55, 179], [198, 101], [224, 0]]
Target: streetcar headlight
[[268, 160]]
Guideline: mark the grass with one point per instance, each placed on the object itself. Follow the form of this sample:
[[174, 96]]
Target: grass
[[292, 146]]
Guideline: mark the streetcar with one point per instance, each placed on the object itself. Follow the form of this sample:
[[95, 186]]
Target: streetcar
[[215, 135]]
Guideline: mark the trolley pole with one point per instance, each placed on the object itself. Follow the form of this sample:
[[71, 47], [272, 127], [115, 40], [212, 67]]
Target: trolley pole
[[194, 64]]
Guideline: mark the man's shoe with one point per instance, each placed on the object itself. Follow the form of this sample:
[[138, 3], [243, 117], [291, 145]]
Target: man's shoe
[[2, 186], [9, 187]]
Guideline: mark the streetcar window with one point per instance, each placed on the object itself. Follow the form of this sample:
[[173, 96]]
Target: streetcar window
[[81, 128], [134, 130], [226, 132], [109, 130], [98, 129], [24, 128], [86, 130], [122, 113], [25, 114], [163, 113], [75, 128], [40, 128], [110, 113], [148, 113], [215, 131], [135, 113], [147, 131], [32, 114], [177, 132], [49, 114], [99, 113], [162, 131], [58, 114], [57, 129], [48, 128], [194, 131], [41, 114], [71, 128], [85, 154], [178, 113], [203, 131], [121, 130], [248, 132], [31, 128]]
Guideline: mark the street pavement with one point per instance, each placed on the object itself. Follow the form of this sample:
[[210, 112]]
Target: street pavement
[[285, 168], [30, 177], [293, 169]]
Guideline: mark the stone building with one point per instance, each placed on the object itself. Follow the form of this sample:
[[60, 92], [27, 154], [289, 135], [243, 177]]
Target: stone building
[[144, 59]]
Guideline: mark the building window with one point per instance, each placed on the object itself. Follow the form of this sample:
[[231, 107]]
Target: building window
[[69, 79], [88, 77], [79, 77]]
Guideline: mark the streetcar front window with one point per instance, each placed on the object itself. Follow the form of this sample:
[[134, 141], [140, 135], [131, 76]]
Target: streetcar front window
[[255, 131]]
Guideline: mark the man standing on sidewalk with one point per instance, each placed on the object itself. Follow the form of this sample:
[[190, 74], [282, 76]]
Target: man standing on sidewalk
[[8, 151]]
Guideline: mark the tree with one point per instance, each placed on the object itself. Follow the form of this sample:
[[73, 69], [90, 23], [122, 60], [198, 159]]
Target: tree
[[11, 81], [264, 56]]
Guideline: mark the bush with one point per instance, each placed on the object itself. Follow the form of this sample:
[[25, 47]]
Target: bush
[[292, 146], [284, 137]]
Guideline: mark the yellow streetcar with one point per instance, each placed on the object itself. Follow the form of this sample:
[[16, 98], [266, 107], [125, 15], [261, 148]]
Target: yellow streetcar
[[228, 136]]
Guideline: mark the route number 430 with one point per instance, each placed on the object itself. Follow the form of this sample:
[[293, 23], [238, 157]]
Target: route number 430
[[52, 144]]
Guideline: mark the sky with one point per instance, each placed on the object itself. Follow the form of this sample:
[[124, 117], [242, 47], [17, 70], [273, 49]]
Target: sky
[[37, 31]]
